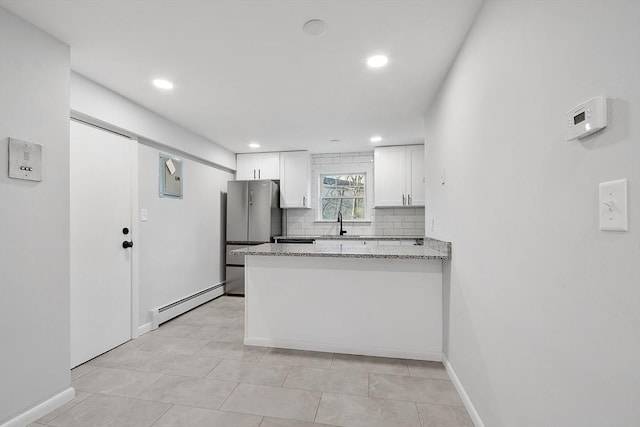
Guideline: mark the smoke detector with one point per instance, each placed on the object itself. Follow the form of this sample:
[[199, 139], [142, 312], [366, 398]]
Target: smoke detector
[[315, 27]]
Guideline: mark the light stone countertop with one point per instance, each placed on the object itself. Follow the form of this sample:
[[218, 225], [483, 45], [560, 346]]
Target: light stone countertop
[[428, 252], [349, 237]]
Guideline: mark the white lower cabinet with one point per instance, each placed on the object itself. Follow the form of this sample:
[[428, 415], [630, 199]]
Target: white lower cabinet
[[341, 242], [363, 242], [295, 179]]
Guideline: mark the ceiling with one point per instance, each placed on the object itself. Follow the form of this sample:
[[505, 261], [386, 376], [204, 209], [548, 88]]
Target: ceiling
[[245, 71]]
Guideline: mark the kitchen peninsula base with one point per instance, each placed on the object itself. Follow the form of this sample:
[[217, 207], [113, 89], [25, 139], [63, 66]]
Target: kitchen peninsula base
[[380, 306]]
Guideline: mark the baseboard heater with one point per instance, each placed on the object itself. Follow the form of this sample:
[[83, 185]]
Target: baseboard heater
[[176, 308]]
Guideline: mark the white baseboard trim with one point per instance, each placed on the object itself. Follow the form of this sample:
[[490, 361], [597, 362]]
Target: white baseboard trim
[[143, 329], [334, 348], [41, 409], [471, 409]]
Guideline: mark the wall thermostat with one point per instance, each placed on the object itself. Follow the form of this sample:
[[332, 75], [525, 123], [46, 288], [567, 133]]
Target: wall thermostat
[[25, 160], [587, 118]]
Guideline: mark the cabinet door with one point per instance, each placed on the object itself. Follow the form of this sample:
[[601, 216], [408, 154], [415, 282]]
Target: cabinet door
[[415, 175], [269, 167], [295, 176], [389, 176], [246, 166]]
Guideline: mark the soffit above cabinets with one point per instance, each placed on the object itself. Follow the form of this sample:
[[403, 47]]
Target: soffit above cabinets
[[246, 71]]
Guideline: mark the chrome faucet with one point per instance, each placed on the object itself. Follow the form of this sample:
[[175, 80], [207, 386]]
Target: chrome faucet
[[342, 232]]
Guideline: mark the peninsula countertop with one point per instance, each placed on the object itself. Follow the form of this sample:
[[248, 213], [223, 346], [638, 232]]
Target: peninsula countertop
[[348, 237], [431, 250]]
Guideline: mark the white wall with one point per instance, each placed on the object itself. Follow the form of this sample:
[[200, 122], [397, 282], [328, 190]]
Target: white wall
[[100, 103], [383, 222], [181, 245], [544, 315], [34, 219]]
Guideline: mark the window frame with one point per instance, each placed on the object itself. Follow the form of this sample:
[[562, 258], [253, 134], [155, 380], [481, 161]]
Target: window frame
[[320, 179]]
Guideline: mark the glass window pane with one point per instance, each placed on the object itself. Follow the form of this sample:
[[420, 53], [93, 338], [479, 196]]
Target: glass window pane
[[330, 209], [330, 192], [342, 193], [353, 210]]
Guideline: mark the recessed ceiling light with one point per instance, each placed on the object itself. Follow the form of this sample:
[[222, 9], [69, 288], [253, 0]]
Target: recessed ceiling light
[[334, 140], [254, 145], [377, 61], [315, 27], [375, 138], [163, 84]]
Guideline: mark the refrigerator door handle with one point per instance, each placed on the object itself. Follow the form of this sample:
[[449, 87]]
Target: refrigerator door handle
[[251, 197], [258, 173]]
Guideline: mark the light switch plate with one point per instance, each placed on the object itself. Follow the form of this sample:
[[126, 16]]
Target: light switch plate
[[613, 205], [25, 160], [144, 215]]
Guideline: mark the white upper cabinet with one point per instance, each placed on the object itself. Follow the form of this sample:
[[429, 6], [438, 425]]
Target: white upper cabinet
[[269, 166], [388, 176], [246, 166], [258, 166], [295, 179], [415, 175], [399, 176]]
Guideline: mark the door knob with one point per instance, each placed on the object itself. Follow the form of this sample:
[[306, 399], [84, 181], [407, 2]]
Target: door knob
[[126, 244]]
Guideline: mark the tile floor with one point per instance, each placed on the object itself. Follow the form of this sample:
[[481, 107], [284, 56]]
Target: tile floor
[[194, 371]]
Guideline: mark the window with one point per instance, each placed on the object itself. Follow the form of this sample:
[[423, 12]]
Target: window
[[342, 193]]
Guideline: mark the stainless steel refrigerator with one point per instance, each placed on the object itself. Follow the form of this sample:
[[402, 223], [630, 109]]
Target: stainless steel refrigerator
[[253, 217]]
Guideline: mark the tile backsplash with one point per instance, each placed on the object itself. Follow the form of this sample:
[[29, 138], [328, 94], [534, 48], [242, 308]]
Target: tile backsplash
[[382, 221]]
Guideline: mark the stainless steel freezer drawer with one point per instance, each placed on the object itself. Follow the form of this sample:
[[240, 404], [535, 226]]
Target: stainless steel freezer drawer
[[235, 259], [235, 281]]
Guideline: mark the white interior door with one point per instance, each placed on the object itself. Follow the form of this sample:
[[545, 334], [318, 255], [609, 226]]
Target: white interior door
[[101, 187]]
